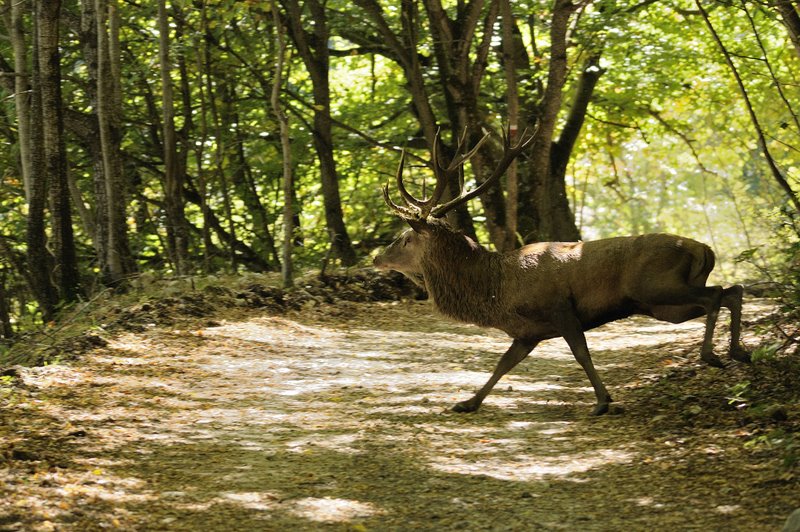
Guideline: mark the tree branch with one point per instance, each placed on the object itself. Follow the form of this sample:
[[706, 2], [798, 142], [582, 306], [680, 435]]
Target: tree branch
[[587, 82]]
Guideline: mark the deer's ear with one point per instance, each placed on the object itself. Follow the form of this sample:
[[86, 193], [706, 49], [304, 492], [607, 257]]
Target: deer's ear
[[419, 226]]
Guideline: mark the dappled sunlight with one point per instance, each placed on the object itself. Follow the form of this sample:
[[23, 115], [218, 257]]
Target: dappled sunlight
[[645, 332], [251, 500], [545, 428], [389, 363], [283, 332], [332, 510], [728, 508], [526, 468], [647, 502], [54, 376], [73, 490]]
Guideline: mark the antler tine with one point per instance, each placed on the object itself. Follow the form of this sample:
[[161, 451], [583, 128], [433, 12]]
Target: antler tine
[[403, 212], [460, 178], [441, 181], [407, 197], [459, 145], [441, 172], [459, 161], [412, 209], [510, 152]]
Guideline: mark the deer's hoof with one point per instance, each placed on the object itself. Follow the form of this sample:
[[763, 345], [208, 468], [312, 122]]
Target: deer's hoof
[[712, 360], [465, 406], [740, 354], [600, 409]]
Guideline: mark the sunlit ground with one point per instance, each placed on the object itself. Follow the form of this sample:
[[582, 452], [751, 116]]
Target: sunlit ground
[[282, 423]]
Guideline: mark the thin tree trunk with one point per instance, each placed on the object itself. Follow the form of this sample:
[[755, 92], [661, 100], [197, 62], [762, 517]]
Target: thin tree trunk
[[22, 100], [66, 271], [173, 184], [6, 329], [219, 153], [108, 117], [316, 58], [286, 149], [203, 67], [39, 260], [119, 215], [512, 97], [99, 223]]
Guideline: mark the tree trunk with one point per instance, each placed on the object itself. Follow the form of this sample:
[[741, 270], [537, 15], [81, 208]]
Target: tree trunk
[[316, 58], [551, 218], [55, 161], [40, 261], [203, 69], [177, 235], [219, 151], [791, 19], [22, 101], [6, 329], [109, 109], [286, 151], [100, 225], [512, 99]]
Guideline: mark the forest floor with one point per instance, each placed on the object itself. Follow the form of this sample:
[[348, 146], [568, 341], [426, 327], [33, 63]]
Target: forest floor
[[336, 417]]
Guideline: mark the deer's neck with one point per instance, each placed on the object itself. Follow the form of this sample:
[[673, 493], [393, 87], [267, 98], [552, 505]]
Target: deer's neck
[[463, 279]]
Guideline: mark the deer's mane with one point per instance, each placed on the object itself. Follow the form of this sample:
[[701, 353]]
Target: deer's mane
[[462, 277]]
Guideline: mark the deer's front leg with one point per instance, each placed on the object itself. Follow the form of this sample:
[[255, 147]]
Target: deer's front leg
[[515, 354], [572, 331]]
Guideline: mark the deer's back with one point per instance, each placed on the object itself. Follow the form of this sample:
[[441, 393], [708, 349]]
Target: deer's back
[[599, 279]]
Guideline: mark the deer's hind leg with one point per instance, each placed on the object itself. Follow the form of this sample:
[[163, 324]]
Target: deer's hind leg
[[678, 302], [732, 300]]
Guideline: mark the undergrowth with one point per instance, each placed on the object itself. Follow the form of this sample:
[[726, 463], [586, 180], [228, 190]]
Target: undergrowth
[[153, 302]]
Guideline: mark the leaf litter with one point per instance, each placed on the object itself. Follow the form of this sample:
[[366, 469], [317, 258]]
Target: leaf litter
[[335, 416]]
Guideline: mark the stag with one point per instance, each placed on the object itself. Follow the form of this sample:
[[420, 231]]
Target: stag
[[552, 289]]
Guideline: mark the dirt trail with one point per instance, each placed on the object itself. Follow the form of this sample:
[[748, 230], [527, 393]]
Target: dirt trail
[[340, 421]]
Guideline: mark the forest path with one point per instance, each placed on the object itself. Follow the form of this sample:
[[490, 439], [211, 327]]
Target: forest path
[[338, 419]]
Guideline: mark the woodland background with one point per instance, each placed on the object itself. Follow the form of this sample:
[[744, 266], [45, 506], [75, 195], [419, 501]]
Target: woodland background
[[218, 136]]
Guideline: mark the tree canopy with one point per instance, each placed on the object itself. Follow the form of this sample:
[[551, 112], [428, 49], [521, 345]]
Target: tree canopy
[[146, 136]]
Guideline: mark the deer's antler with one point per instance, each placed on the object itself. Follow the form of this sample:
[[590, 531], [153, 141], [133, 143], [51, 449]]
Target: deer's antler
[[421, 209], [510, 152]]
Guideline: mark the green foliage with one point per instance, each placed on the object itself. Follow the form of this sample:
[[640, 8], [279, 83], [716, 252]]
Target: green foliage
[[786, 443], [765, 353], [666, 145], [739, 393]]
